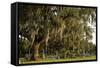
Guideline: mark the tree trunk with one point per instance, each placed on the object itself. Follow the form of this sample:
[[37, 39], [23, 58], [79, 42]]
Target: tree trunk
[[36, 52]]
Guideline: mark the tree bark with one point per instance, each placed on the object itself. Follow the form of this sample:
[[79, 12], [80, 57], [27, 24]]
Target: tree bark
[[36, 52]]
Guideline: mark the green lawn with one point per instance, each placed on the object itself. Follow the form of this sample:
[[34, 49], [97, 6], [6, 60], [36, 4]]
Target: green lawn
[[57, 60]]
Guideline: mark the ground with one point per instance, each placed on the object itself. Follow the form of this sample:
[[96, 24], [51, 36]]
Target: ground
[[22, 61]]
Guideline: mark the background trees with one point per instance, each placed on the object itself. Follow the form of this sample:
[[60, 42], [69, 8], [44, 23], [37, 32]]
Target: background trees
[[56, 30]]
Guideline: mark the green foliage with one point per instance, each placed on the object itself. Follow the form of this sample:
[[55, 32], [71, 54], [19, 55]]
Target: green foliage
[[57, 28]]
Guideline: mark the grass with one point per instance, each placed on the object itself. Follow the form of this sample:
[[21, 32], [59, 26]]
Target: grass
[[57, 60]]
